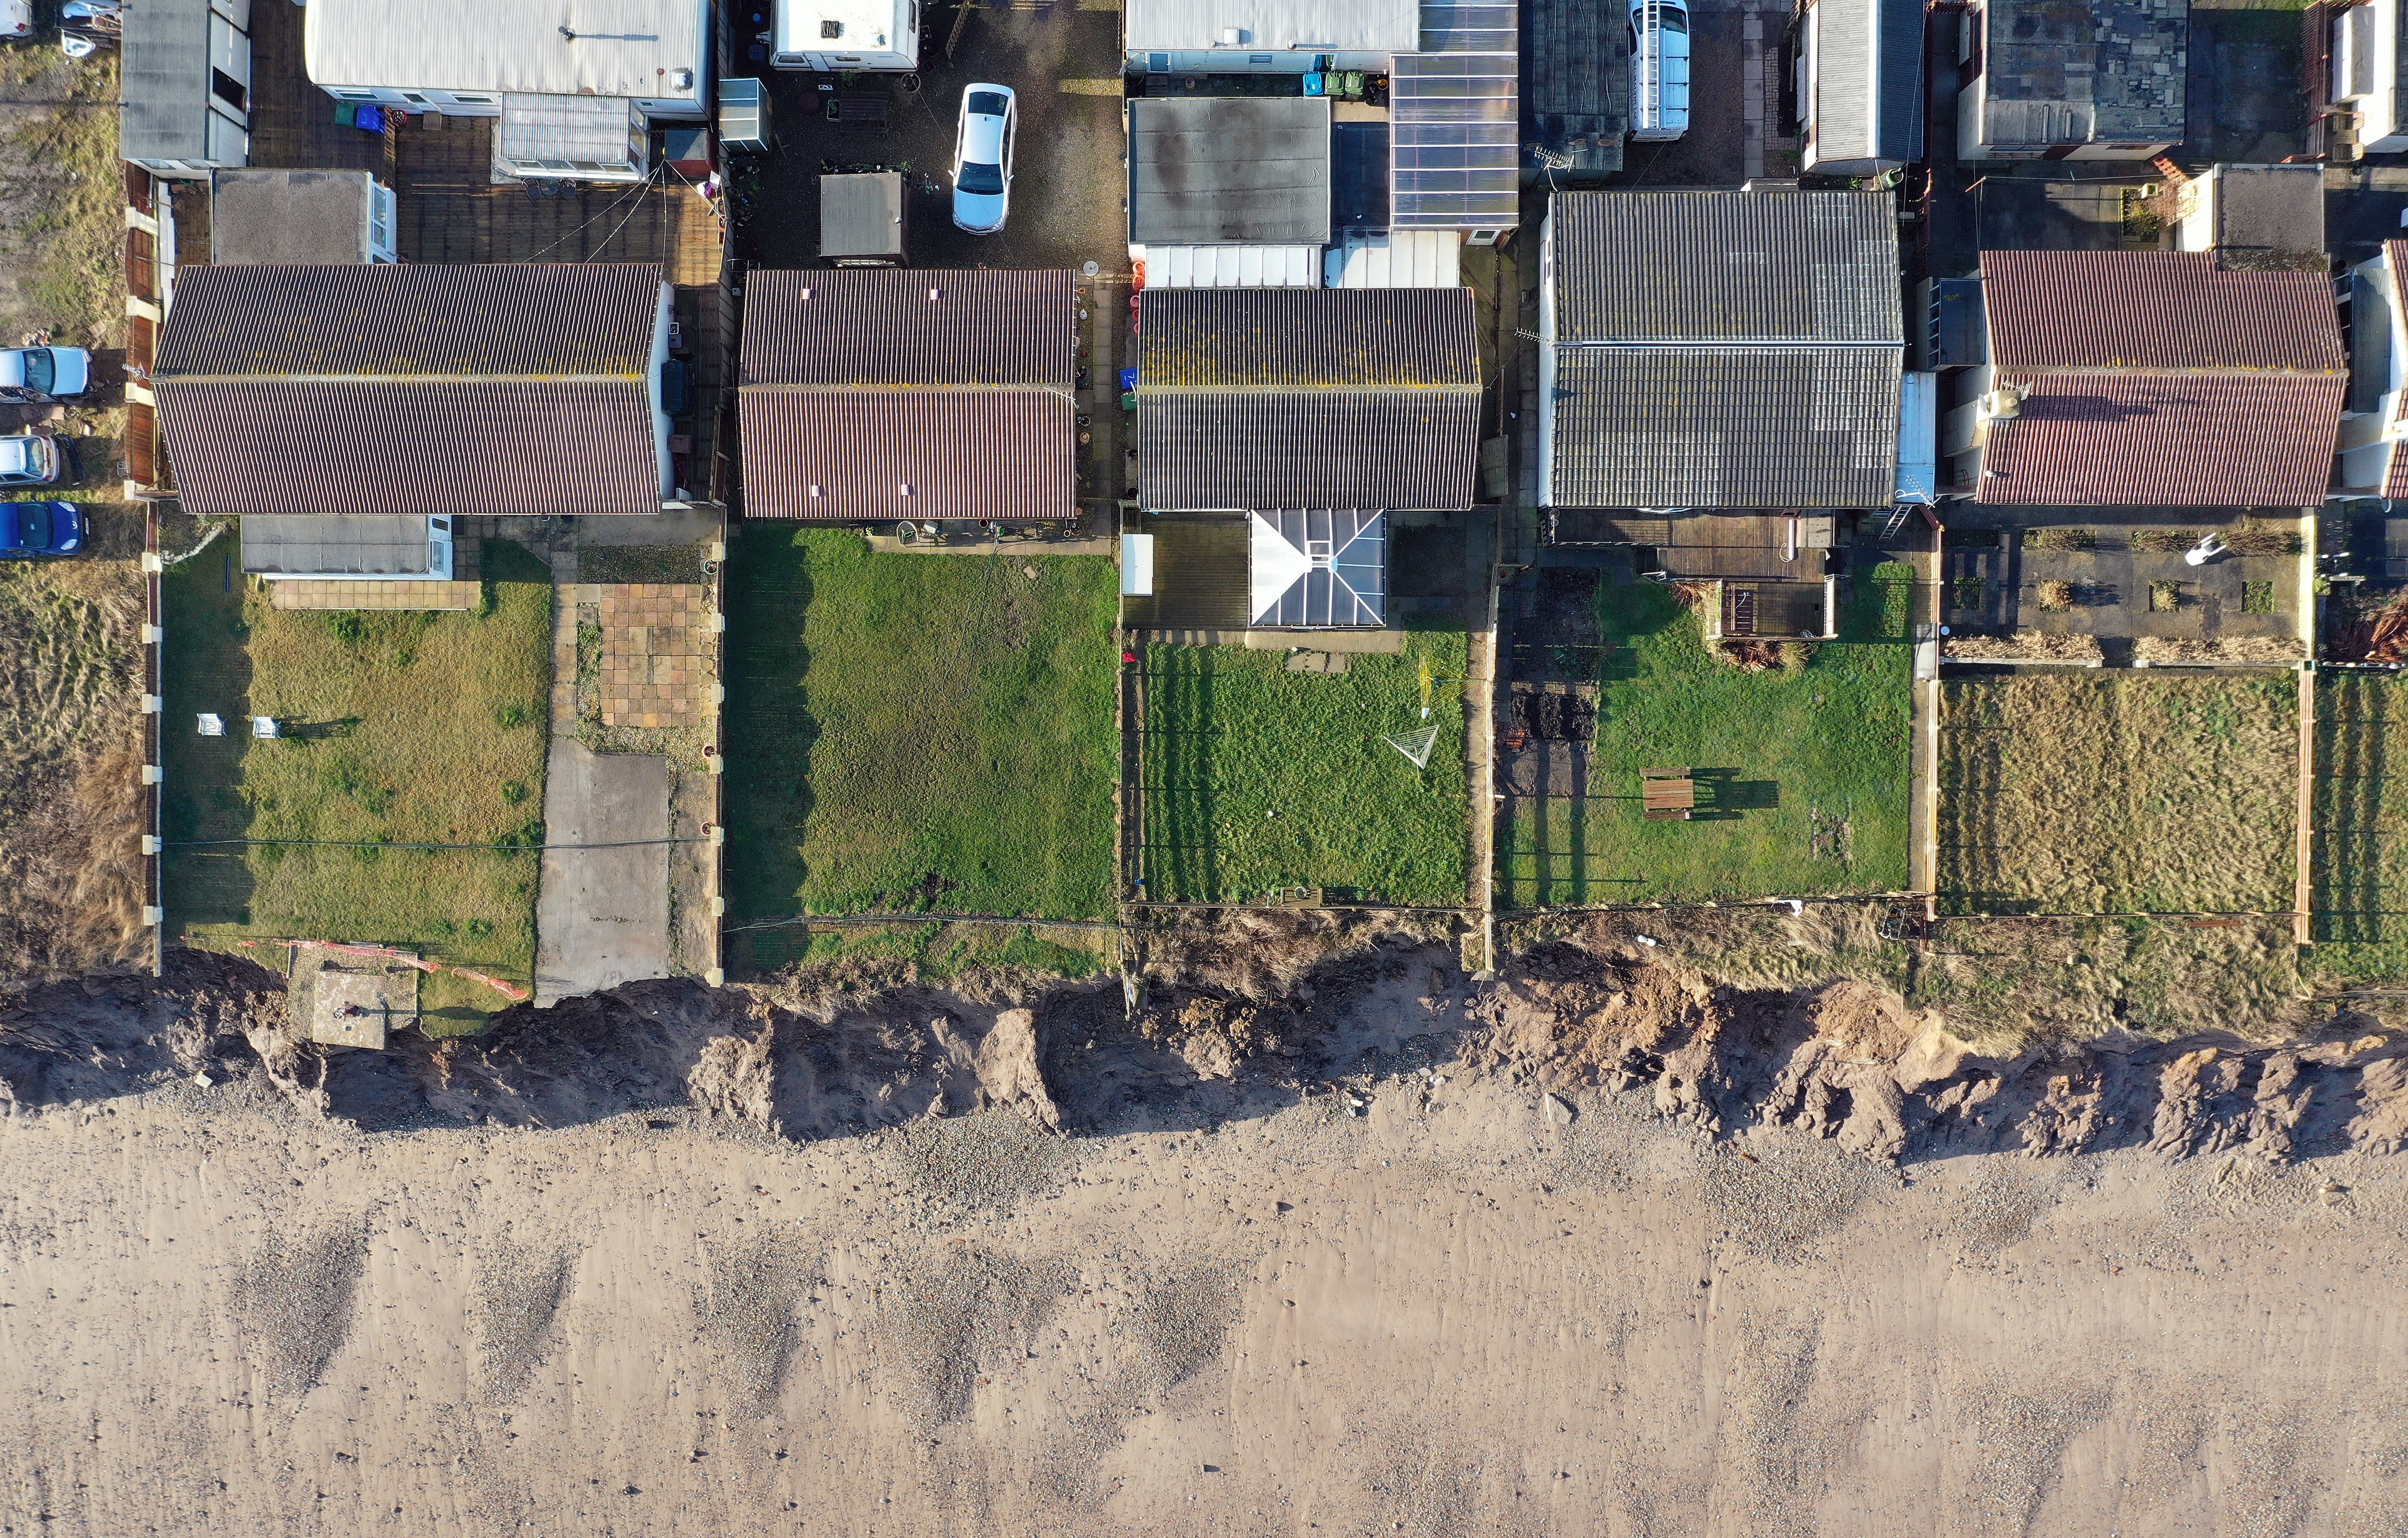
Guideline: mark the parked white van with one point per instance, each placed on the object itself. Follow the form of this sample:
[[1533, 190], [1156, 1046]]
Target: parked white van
[[1659, 70]]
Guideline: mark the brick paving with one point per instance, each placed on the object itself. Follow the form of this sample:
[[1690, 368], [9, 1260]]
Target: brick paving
[[656, 653]]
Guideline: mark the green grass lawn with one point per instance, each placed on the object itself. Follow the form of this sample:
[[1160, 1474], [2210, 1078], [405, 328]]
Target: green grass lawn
[[1809, 767], [918, 732], [1256, 777], [399, 728], [2358, 893]]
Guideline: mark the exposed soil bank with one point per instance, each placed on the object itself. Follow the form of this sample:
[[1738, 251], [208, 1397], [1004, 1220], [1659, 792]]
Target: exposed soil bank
[[1242, 1021]]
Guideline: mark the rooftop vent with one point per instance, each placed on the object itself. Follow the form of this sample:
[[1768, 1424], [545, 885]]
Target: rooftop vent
[[831, 29], [1233, 36]]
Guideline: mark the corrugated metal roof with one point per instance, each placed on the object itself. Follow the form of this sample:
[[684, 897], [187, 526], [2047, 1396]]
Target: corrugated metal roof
[[860, 383], [1300, 449], [165, 81], [1369, 26], [621, 47], [362, 544], [2261, 439], [961, 453], [1312, 399], [881, 327], [1234, 170], [1725, 266], [523, 322], [530, 448], [2155, 309], [1576, 91], [1726, 427], [1327, 340], [1867, 81]]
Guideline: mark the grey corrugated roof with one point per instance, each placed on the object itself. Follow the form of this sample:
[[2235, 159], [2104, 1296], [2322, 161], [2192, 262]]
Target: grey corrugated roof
[[1308, 338], [362, 544], [1725, 266], [165, 81], [288, 217], [1731, 427], [1863, 113], [1229, 170], [1735, 350], [2078, 71], [1321, 398], [1576, 86]]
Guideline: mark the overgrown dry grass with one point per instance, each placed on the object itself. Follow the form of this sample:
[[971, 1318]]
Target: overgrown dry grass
[[2118, 792], [70, 765]]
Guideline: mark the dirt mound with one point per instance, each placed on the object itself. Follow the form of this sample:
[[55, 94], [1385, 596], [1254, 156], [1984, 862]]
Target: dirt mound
[[1352, 1009]]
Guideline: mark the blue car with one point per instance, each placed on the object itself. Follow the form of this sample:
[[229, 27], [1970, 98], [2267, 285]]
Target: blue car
[[28, 529]]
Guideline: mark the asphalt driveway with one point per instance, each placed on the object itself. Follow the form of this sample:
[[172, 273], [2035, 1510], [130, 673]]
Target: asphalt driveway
[[1065, 61]]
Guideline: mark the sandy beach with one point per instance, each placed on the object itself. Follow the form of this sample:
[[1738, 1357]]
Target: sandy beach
[[1451, 1314]]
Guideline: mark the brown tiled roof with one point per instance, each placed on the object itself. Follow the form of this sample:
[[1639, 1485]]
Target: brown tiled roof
[[476, 390], [878, 325], [965, 453], [2129, 440], [522, 320], [959, 384], [2155, 309], [535, 449], [2156, 379]]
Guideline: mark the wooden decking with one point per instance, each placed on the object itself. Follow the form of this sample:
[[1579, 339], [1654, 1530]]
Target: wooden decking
[[452, 211], [292, 125]]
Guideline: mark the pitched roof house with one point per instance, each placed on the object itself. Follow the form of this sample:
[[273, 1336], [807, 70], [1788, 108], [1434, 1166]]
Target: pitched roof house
[[2149, 378], [1307, 399], [1720, 350], [879, 394], [416, 390]]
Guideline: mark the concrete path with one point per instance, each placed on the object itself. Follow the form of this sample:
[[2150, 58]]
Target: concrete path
[[602, 915]]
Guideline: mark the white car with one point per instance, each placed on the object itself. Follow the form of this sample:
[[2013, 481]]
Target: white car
[[1659, 70], [982, 157], [16, 20], [61, 373], [28, 459]]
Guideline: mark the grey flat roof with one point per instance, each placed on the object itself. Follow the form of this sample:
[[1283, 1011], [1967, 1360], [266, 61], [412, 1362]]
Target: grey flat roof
[[1329, 26], [362, 544], [862, 214], [165, 82], [288, 218], [1229, 170], [2076, 71]]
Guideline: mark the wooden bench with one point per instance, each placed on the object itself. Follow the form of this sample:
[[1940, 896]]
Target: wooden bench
[[1668, 794], [858, 110]]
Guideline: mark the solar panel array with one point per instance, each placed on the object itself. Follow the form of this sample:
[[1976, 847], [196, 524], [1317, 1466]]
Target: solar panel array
[[1456, 114]]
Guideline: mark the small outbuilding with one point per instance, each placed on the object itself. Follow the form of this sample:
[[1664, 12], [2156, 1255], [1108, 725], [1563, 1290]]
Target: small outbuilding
[[299, 219]]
